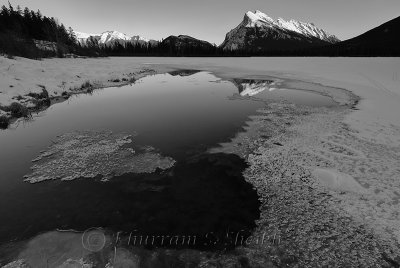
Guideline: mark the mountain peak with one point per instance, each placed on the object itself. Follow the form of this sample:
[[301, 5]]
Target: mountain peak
[[256, 18], [113, 37], [259, 31], [260, 19]]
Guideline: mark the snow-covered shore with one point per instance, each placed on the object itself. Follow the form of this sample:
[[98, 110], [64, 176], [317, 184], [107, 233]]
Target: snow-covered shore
[[375, 80], [21, 78], [302, 173]]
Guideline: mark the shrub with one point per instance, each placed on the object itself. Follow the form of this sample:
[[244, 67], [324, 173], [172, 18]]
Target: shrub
[[18, 110], [44, 94], [19, 97], [86, 84], [88, 87], [4, 121], [41, 103], [41, 99]]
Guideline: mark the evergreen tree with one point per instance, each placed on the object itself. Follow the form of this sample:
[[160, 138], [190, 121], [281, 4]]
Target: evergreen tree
[[19, 30]]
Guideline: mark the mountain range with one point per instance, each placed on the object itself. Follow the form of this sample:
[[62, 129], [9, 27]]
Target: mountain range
[[259, 34], [110, 38], [256, 31], [32, 35]]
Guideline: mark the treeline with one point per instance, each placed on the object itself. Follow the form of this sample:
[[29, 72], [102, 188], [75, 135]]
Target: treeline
[[20, 30], [166, 50], [140, 50]]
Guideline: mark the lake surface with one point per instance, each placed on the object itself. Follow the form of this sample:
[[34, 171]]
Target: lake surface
[[182, 115]]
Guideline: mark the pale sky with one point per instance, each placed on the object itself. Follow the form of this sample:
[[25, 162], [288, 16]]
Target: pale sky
[[210, 20]]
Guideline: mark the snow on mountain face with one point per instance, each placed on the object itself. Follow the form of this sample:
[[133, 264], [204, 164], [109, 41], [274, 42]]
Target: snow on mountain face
[[259, 32], [112, 37], [83, 37], [257, 19], [260, 19], [80, 35], [308, 29]]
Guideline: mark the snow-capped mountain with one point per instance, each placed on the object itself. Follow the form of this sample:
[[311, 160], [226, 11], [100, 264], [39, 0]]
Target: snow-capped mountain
[[110, 38], [258, 31], [307, 29]]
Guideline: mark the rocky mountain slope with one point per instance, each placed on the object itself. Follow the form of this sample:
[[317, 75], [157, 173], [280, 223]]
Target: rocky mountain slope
[[186, 45], [182, 41], [259, 32]]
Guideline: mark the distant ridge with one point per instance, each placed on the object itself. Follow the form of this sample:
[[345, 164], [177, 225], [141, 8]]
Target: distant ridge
[[383, 40], [182, 41]]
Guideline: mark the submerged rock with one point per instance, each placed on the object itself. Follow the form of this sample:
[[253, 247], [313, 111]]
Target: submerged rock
[[88, 154]]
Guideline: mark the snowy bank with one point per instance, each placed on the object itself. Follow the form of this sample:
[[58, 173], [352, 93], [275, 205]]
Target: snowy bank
[[33, 83]]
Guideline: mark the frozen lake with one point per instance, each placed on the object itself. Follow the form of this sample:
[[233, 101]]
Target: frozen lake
[[182, 115]]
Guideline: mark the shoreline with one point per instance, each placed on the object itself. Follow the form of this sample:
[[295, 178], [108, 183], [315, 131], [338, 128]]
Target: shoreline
[[58, 88], [322, 212], [316, 224]]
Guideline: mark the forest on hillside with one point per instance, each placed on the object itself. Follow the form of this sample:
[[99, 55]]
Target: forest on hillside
[[21, 31]]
